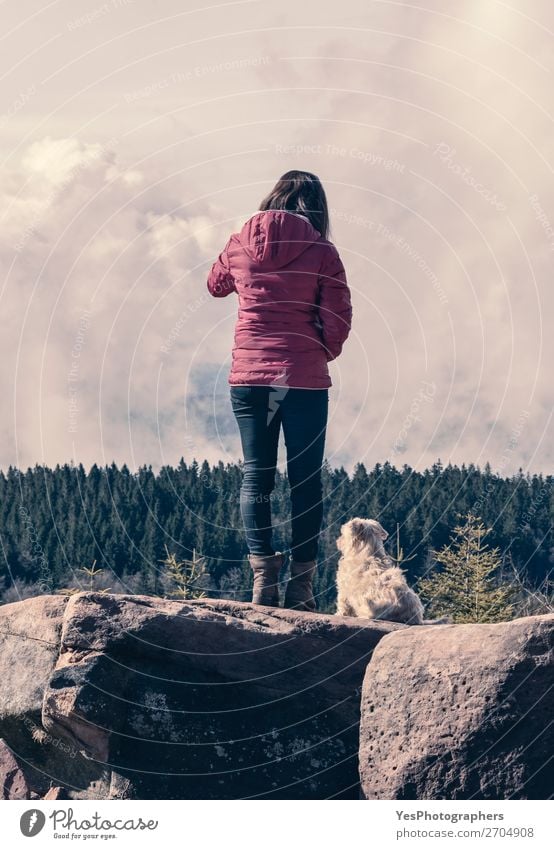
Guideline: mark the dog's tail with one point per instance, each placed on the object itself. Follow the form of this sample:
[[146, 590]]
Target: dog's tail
[[444, 620]]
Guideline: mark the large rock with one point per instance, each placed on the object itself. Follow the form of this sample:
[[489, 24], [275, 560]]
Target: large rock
[[460, 712], [30, 639], [147, 698]]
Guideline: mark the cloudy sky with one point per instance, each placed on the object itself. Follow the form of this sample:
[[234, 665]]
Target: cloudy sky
[[135, 137]]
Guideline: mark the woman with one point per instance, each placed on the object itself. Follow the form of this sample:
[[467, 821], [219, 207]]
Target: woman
[[294, 316]]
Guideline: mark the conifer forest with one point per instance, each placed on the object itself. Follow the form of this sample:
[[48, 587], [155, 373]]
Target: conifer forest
[[56, 524]]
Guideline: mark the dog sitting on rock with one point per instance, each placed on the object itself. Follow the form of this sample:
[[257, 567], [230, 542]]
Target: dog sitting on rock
[[369, 583]]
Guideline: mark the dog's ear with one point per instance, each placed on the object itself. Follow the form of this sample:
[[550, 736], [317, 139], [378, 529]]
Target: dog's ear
[[358, 532], [379, 530]]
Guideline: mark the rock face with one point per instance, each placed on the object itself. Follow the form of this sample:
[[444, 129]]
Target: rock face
[[12, 779], [460, 712], [30, 640], [29, 646], [112, 696]]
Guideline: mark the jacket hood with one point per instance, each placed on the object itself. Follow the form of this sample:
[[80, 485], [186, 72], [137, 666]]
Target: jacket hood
[[274, 237]]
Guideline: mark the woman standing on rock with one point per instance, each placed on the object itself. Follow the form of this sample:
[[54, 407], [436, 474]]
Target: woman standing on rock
[[294, 314]]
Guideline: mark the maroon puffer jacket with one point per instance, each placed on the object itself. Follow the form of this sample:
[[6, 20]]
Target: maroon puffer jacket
[[294, 302]]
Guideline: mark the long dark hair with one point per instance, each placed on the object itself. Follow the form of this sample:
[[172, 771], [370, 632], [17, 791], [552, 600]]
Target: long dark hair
[[300, 191]]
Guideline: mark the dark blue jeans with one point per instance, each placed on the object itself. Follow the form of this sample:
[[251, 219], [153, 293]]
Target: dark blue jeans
[[260, 412]]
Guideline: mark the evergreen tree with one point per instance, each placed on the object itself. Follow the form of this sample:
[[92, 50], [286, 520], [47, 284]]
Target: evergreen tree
[[467, 587], [185, 577]]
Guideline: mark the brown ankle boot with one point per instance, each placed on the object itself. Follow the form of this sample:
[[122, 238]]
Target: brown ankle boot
[[299, 594], [266, 571]]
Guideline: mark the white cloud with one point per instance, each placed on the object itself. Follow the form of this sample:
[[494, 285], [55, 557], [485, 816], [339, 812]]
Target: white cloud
[[114, 206]]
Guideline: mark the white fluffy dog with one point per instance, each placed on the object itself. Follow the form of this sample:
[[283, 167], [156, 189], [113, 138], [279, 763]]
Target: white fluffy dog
[[369, 583]]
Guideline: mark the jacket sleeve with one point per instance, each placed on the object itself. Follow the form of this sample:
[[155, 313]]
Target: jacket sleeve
[[335, 308], [220, 279]]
